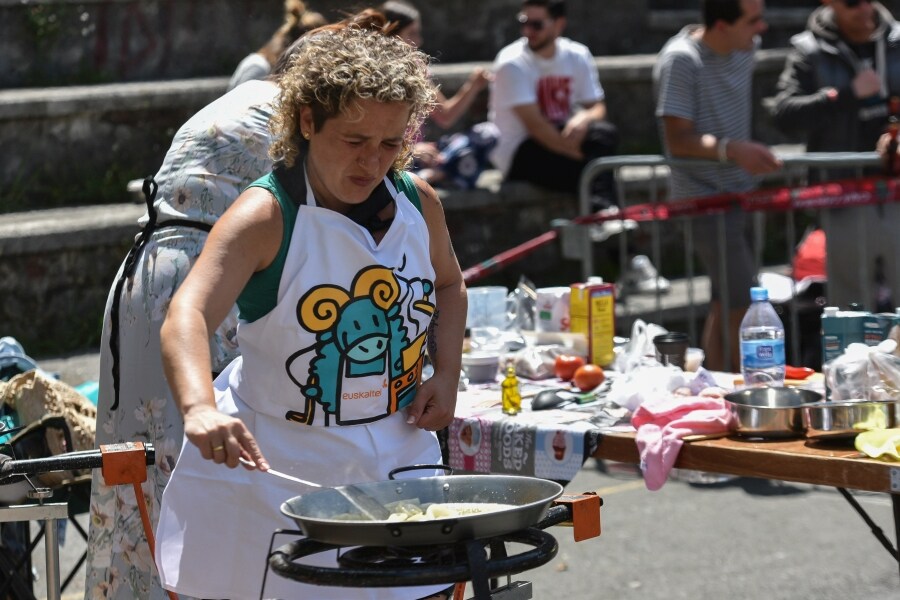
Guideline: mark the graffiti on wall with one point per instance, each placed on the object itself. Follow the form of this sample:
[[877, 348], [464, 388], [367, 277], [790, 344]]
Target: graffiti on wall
[[67, 42]]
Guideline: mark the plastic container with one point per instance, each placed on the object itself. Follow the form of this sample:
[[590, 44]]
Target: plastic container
[[487, 307], [694, 359], [481, 367], [671, 348], [762, 342]]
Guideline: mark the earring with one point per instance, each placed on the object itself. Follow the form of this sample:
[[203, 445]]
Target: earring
[[305, 135]]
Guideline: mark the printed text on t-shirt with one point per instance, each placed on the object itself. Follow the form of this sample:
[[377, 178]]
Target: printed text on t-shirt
[[554, 93]]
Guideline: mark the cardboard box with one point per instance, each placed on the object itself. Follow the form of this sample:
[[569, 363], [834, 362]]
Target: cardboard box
[[592, 313], [877, 327], [840, 328]]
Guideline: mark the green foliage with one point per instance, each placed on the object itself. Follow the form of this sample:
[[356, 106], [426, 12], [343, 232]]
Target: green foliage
[[44, 189], [77, 335], [44, 22]]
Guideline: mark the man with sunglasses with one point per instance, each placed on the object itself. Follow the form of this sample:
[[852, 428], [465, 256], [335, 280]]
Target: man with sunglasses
[[835, 91], [703, 81], [548, 105]]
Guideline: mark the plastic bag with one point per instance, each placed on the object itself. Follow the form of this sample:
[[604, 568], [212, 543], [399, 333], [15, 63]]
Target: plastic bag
[[536, 362], [521, 305], [883, 372], [645, 382], [633, 354], [864, 372]]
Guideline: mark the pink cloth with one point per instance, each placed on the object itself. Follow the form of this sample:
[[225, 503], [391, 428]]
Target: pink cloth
[[661, 423]]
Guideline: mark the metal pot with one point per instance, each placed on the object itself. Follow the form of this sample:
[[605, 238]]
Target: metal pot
[[315, 513], [769, 412], [845, 419]]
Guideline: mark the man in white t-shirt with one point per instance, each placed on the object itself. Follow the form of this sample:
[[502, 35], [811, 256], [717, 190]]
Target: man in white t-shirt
[[547, 102]]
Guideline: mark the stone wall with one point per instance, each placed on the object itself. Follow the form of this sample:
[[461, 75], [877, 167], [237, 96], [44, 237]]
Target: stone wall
[[81, 144], [69, 42], [56, 267]]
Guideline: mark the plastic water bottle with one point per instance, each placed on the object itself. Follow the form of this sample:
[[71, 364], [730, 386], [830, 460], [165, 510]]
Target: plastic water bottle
[[762, 342]]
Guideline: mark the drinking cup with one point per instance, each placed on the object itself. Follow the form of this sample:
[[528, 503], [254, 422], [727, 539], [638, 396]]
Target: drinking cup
[[487, 307], [671, 348]]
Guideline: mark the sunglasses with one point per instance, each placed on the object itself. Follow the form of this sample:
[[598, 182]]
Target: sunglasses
[[854, 3], [526, 23]]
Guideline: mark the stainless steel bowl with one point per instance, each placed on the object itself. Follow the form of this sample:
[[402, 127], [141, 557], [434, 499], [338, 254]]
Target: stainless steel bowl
[[845, 419], [770, 412]]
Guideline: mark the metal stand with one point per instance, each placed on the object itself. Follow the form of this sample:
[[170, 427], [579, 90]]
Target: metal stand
[[50, 514], [120, 463]]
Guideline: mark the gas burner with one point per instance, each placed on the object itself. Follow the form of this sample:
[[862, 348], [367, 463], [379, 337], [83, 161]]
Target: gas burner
[[477, 561], [403, 556]]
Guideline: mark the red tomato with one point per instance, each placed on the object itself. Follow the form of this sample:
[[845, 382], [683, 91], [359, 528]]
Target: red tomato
[[566, 364], [587, 377]]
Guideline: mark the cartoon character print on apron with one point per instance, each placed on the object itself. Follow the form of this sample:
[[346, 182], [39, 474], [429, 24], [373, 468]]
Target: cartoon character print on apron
[[369, 347]]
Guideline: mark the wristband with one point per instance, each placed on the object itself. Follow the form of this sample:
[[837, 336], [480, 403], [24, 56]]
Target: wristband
[[722, 149]]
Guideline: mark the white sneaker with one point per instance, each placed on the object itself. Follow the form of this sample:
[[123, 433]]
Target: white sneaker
[[643, 278], [600, 232]]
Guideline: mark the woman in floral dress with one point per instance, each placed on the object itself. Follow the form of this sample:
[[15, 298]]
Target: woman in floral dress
[[213, 157]]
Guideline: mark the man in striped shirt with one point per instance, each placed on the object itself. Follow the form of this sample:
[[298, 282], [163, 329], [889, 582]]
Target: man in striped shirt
[[702, 80]]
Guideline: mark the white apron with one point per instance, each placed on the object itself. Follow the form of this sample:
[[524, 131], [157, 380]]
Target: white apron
[[320, 383]]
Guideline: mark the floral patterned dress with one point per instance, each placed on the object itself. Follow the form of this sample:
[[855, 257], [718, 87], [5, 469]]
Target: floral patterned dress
[[214, 156]]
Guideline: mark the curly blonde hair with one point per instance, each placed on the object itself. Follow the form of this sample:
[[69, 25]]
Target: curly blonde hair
[[335, 69]]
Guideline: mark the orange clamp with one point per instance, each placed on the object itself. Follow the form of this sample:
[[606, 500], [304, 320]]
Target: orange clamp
[[585, 514], [123, 463]]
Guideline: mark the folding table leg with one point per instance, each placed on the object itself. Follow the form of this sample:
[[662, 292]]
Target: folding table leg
[[876, 530], [895, 501]]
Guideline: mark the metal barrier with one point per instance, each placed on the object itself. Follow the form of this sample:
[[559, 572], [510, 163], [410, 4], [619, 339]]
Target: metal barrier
[[631, 171]]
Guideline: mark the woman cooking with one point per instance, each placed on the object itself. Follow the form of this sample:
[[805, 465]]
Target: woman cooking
[[343, 270]]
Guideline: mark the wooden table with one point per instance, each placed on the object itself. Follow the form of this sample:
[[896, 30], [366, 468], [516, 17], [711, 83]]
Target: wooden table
[[838, 466], [787, 460], [795, 460]]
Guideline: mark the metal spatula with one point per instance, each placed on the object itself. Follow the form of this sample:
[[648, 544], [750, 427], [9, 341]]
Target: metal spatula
[[367, 505]]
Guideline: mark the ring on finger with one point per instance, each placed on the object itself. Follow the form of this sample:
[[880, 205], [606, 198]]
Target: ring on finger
[[219, 447]]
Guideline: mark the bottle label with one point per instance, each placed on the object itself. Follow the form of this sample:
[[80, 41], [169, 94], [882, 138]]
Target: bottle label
[[762, 354]]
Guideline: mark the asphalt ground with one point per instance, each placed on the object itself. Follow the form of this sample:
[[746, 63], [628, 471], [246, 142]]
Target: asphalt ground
[[743, 539]]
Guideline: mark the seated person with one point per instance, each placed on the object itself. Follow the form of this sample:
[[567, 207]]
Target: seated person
[[547, 103], [259, 64], [456, 159]]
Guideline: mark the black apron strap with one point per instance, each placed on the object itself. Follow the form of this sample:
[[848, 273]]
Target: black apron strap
[[366, 214], [293, 180], [150, 188]]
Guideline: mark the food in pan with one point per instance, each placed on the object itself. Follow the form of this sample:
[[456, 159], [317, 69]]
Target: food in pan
[[414, 510]]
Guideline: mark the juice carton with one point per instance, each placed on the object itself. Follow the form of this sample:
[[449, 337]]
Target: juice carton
[[592, 312], [840, 328], [877, 327]]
